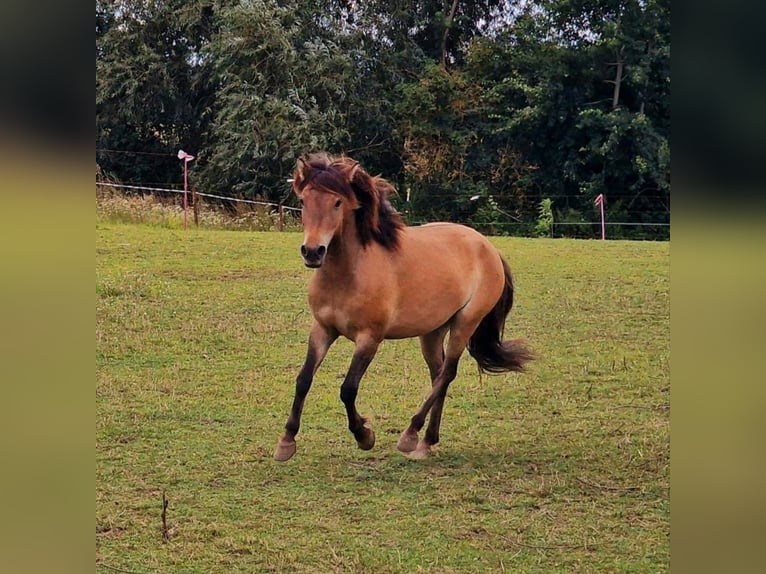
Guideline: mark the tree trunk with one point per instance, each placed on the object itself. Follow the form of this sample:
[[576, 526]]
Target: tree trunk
[[447, 26], [617, 82]]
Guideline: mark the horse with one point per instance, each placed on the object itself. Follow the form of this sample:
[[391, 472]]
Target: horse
[[376, 278]]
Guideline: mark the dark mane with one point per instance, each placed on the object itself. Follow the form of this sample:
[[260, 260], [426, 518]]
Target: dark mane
[[376, 219]]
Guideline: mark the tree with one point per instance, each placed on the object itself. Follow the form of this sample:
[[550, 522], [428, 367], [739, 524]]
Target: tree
[[476, 110], [623, 149], [151, 88], [283, 89], [578, 90]]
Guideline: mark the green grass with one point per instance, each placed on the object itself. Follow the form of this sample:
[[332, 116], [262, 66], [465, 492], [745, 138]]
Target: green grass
[[199, 337]]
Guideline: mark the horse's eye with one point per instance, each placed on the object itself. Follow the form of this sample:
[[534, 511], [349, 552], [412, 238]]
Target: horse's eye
[[337, 204]]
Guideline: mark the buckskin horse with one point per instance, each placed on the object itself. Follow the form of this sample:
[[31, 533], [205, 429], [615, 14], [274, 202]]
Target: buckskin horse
[[377, 279]]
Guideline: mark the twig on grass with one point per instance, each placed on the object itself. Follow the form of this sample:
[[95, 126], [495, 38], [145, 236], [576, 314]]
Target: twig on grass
[[605, 487], [547, 547], [658, 407], [165, 534]]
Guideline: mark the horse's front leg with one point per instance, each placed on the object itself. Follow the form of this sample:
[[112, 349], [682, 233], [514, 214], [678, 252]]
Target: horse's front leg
[[364, 352], [320, 340]]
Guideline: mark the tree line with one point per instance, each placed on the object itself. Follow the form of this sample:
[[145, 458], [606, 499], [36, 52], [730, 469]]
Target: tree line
[[496, 113]]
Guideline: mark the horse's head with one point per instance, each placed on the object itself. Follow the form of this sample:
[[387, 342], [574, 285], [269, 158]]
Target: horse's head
[[327, 200], [336, 193]]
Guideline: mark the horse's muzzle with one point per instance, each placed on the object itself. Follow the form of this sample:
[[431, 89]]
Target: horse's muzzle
[[313, 256]]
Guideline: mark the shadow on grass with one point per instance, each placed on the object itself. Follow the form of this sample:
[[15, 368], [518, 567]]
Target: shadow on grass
[[385, 465]]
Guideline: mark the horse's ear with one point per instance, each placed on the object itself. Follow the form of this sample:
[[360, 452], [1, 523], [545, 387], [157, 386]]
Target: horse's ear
[[354, 170], [299, 175], [358, 178], [366, 194]]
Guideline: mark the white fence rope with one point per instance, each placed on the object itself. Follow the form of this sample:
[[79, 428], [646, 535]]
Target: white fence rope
[[498, 224], [556, 223], [608, 223], [145, 188]]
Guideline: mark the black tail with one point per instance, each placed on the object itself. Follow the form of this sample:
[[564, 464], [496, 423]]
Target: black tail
[[486, 345]]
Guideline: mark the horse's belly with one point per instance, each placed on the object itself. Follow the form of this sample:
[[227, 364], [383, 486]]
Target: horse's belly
[[400, 324], [417, 320], [405, 331]]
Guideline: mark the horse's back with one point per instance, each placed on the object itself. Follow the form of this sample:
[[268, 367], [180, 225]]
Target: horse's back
[[451, 241], [442, 268]]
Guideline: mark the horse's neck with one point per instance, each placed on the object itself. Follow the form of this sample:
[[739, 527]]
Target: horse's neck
[[345, 250]]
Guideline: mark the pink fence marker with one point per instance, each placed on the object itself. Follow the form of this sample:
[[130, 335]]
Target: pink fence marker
[[600, 202], [182, 155]]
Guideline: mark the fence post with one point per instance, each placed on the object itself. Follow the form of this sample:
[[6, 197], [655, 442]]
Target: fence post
[[281, 217], [195, 206]]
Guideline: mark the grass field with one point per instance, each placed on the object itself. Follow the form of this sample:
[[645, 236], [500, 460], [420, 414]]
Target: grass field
[[199, 337]]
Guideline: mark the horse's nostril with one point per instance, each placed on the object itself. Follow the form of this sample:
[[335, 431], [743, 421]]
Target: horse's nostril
[[321, 250], [304, 251]]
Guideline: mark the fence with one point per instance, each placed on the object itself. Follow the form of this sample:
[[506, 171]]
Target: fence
[[279, 208], [584, 229], [576, 229]]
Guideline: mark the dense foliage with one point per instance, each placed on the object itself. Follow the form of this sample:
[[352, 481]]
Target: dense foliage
[[479, 111]]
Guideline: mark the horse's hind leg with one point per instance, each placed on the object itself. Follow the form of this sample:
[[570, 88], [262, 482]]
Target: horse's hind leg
[[438, 393], [432, 347], [320, 340], [364, 352], [460, 332]]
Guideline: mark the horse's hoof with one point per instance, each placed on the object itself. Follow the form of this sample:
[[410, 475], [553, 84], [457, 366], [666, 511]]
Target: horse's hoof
[[285, 450], [368, 437], [408, 441], [422, 451]]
